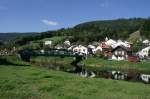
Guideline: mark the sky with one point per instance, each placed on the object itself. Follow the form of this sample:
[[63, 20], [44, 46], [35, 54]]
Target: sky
[[44, 15]]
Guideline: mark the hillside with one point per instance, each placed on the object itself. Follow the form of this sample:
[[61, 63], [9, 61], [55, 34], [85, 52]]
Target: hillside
[[116, 29], [91, 31], [12, 36], [119, 24]]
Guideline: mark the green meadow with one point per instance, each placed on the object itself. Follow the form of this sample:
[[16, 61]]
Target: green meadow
[[21, 80], [95, 63], [30, 82]]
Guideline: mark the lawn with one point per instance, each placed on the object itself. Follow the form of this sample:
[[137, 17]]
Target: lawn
[[30, 82]]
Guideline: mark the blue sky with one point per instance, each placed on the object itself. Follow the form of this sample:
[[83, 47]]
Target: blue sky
[[43, 15]]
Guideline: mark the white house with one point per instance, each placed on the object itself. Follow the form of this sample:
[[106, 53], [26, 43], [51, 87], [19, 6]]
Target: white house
[[145, 42], [58, 47], [80, 49], [106, 39], [98, 48], [67, 43], [144, 52], [121, 43], [48, 43], [145, 78], [71, 47], [119, 53], [42, 51], [110, 42], [91, 48]]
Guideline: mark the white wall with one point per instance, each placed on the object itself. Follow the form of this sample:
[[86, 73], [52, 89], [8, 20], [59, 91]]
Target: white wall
[[81, 49]]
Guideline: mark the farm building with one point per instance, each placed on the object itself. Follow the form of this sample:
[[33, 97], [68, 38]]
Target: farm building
[[120, 53], [144, 52], [48, 43], [80, 49]]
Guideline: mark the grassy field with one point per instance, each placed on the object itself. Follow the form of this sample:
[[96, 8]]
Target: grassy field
[[117, 65], [98, 63], [30, 82], [21, 80], [36, 44], [47, 59], [55, 39]]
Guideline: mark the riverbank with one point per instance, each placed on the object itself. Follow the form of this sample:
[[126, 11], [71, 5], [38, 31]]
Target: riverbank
[[95, 63]]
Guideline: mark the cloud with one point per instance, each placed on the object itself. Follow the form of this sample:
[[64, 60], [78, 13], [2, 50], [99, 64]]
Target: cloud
[[50, 23]]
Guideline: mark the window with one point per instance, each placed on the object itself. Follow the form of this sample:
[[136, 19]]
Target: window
[[116, 53], [119, 52], [144, 76], [83, 50], [123, 53]]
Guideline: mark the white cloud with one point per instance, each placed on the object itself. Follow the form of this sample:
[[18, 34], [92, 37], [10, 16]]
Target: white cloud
[[51, 23]]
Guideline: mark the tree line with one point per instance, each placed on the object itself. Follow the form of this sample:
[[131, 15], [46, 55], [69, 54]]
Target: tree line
[[94, 31]]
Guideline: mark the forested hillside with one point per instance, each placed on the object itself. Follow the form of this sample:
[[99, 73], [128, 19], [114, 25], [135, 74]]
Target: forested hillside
[[11, 36], [116, 29], [95, 31]]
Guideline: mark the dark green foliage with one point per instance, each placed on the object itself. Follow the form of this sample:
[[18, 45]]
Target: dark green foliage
[[26, 39], [145, 29], [12, 36], [95, 31], [137, 46], [1, 43], [98, 30]]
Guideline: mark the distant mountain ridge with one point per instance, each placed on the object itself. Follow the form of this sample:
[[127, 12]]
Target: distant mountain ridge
[[12, 36]]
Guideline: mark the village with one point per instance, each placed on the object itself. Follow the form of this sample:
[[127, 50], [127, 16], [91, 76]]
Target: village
[[109, 49], [74, 49]]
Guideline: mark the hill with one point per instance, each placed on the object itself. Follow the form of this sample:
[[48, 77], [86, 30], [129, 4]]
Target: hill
[[116, 29], [12, 36], [91, 31]]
